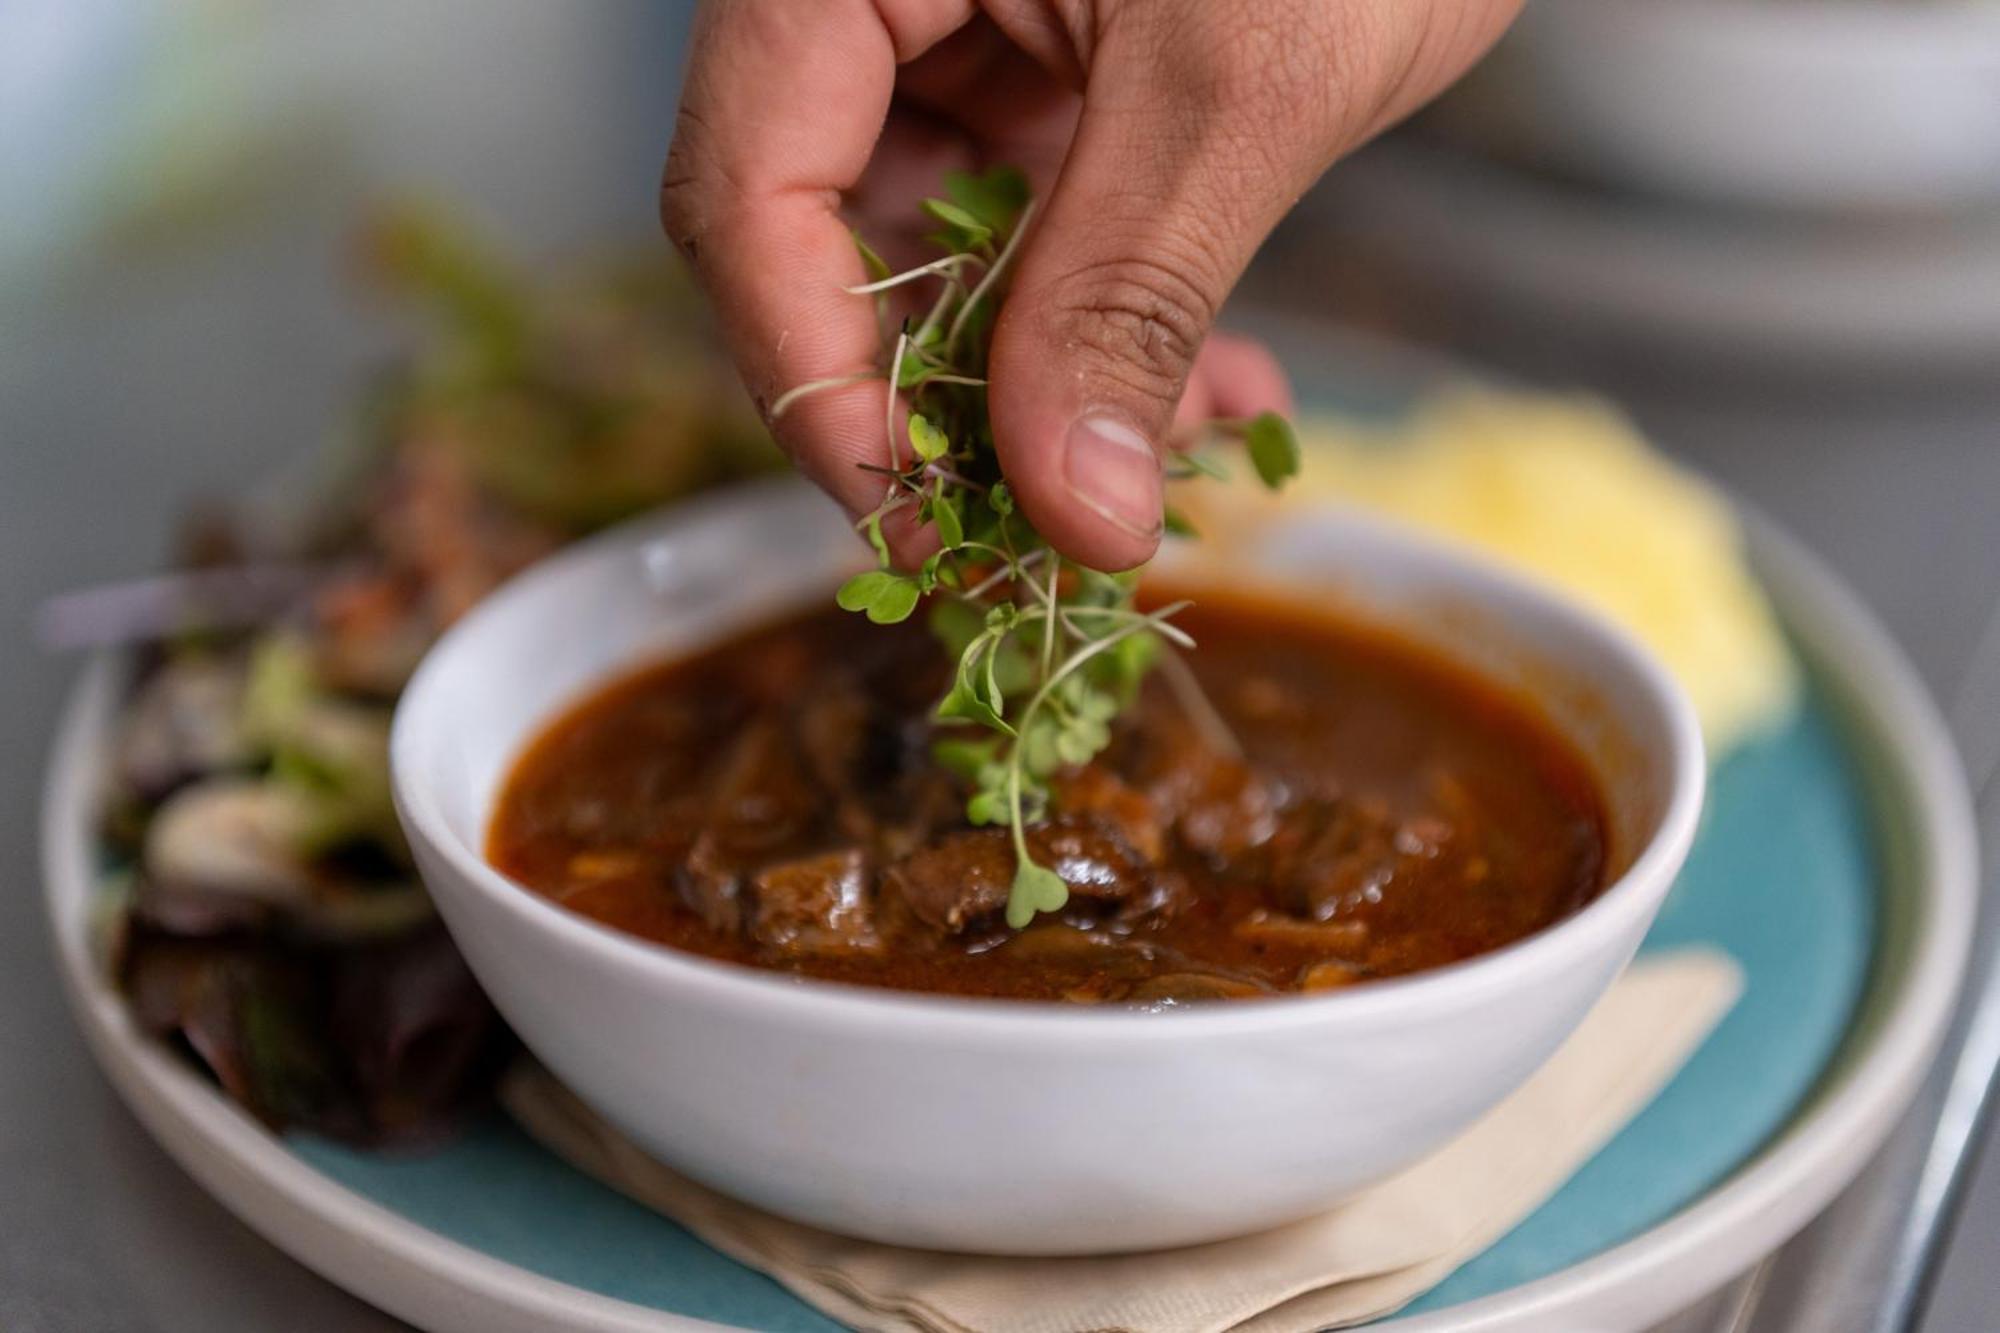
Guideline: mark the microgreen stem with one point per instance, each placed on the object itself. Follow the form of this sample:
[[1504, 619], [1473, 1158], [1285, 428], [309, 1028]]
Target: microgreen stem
[[890, 504], [889, 412], [792, 395], [1017, 756], [1012, 570], [987, 282], [1052, 630], [1166, 629], [1196, 704], [992, 550], [943, 473], [948, 265], [1016, 824], [1075, 661], [953, 288]]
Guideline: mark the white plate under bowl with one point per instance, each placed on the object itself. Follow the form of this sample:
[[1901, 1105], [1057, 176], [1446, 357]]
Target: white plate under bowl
[[1928, 849]]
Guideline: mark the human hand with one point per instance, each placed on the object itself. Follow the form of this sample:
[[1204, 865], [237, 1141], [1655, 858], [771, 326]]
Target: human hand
[[1165, 138]]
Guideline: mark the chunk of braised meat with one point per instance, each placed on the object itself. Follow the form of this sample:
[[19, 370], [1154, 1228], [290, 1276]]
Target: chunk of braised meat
[[760, 798], [762, 794], [1095, 792], [815, 905], [964, 878], [873, 764], [1215, 804], [709, 881], [835, 727], [1166, 894], [1330, 858], [925, 802], [1098, 865]]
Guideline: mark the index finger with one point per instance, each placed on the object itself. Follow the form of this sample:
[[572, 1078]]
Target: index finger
[[779, 114]]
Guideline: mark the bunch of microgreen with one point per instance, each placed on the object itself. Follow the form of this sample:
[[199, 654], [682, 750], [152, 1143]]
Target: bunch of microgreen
[[1048, 652]]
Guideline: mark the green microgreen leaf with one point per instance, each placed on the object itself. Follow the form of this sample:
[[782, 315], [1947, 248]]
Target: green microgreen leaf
[[884, 597], [1038, 747], [950, 527], [1096, 588], [995, 198], [965, 703], [955, 625], [1196, 463], [1001, 498], [1274, 449], [1177, 524], [895, 604], [876, 541], [929, 442], [873, 264], [1036, 889], [987, 807], [918, 368], [1082, 741], [965, 758], [966, 231], [1015, 665], [1122, 669], [859, 592], [1093, 704]]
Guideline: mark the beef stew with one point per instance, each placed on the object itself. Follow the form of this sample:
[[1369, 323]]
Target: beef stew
[[774, 801]]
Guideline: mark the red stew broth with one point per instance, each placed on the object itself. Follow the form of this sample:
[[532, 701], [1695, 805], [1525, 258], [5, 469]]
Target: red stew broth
[[770, 802]]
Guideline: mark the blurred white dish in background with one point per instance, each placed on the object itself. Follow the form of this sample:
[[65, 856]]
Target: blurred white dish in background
[[1809, 104], [1574, 276]]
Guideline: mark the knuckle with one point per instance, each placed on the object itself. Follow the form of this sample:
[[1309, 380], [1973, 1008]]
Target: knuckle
[[678, 215], [1143, 319], [1271, 63], [688, 185]]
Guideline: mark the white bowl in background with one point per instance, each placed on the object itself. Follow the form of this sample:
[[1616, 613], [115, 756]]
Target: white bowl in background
[[1004, 1126], [1830, 105]]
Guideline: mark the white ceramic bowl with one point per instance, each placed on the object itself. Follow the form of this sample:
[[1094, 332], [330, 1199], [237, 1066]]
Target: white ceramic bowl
[[1001, 1126]]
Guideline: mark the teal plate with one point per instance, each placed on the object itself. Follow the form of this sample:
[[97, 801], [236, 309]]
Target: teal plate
[[1835, 865], [1782, 879]]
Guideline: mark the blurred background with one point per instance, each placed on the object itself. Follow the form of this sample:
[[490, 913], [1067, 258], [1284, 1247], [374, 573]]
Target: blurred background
[[1770, 229]]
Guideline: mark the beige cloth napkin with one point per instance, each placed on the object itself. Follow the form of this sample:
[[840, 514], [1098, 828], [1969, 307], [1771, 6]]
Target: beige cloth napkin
[[1364, 1258]]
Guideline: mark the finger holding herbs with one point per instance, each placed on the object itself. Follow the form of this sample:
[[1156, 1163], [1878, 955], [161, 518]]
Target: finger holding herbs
[[1048, 652]]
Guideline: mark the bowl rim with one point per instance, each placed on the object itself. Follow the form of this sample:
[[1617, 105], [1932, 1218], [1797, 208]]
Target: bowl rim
[[824, 1003]]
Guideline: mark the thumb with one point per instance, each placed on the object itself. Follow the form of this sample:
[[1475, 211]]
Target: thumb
[[1160, 205], [1202, 124]]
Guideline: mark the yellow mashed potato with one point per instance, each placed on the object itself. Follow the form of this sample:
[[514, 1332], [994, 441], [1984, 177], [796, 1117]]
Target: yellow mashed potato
[[1565, 490]]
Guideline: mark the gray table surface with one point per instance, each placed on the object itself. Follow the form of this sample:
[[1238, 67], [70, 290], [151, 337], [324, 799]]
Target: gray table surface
[[131, 388]]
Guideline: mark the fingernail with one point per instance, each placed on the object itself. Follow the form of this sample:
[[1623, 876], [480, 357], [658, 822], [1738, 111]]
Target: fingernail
[[1112, 471]]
